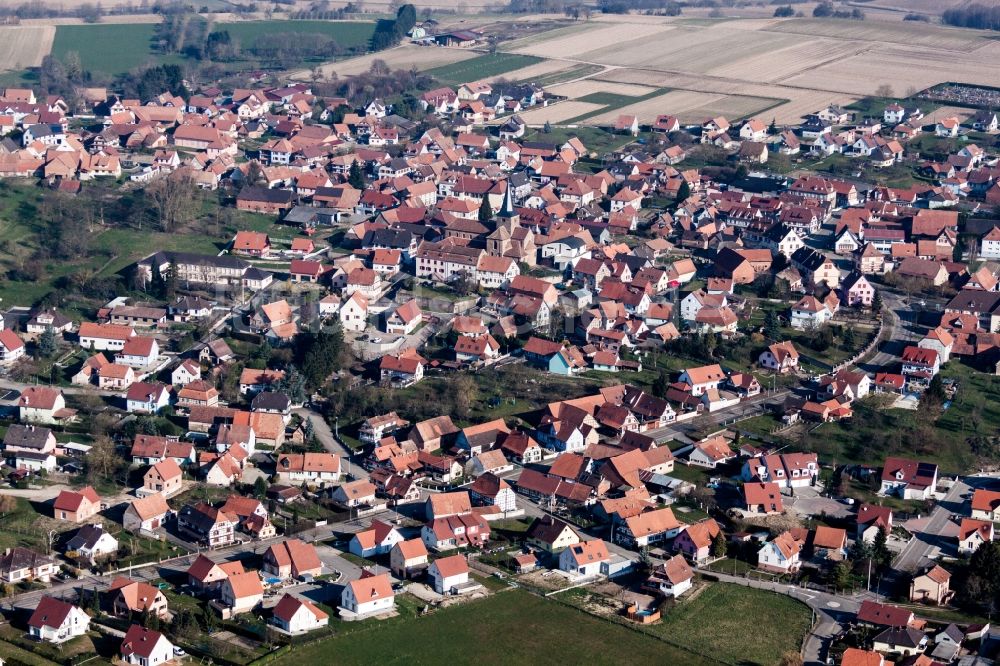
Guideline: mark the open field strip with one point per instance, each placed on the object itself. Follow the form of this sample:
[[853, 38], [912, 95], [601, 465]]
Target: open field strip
[[913, 34], [559, 112], [689, 106], [482, 67], [572, 45], [110, 18], [695, 50], [901, 67], [590, 86], [24, 46], [800, 101], [401, 57], [534, 72], [787, 61], [552, 72]]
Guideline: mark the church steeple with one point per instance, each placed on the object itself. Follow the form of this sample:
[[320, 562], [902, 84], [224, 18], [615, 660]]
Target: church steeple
[[507, 215]]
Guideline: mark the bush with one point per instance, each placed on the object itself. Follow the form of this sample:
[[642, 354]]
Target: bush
[[784, 12]]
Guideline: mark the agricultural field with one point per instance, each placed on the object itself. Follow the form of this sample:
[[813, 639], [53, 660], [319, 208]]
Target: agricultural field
[[401, 57], [24, 46], [111, 48], [784, 68], [558, 634], [481, 67], [559, 112], [348, 34]]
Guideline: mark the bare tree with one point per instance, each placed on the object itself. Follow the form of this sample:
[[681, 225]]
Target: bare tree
[[172, 198]]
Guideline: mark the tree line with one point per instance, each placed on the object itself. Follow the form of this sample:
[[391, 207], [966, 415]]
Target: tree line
[[973, 16], [389, 33]]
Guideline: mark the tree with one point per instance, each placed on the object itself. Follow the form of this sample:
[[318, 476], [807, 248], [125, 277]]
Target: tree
[[784, 12], [293, 384], [877, 302], [47, 345], [102, 460], [355, 177], [683, 192], [772, 325], [260, 488], [842, 575], [849, 338], [719, 545], [823, 10], [172, 199], [885, 91], [170, 280], [661, 384], [485, 211], [547, 128], [980, 588], [881, 556]]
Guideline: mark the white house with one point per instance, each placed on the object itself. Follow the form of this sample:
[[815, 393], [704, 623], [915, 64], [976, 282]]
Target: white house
[[145, 647], [703, 379], [780, 555], [780, 357], [377, 540], [57, 621], [188, 371], [293, 615], [671, 578], [584, 559], [147, 397], [809, 313], [989, 246], [369, 595], [449, 574], [92, 542]]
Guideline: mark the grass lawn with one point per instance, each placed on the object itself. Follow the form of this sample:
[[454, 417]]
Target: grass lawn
[[737, 625], [16, 655], [110, 48], [594, 139], [21, 527], [481, 67], [512, 627], [110, 250]]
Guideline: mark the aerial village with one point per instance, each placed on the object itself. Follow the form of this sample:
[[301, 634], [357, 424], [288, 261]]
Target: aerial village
[[188, 485]]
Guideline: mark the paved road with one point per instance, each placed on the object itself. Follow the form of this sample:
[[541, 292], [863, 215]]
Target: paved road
[[898, 333], [917, 552], [325, 436]]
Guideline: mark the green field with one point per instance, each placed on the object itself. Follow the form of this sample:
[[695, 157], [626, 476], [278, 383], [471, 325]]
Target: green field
[[481, 67], [347, 34], [512, 627], [109, 48], [738, 625], [118, 48]]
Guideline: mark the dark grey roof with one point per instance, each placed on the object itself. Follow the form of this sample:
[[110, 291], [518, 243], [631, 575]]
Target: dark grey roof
[[266, 195], [19, 558], [85, 537], [190, 258], [270, 401], [26, 437]]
